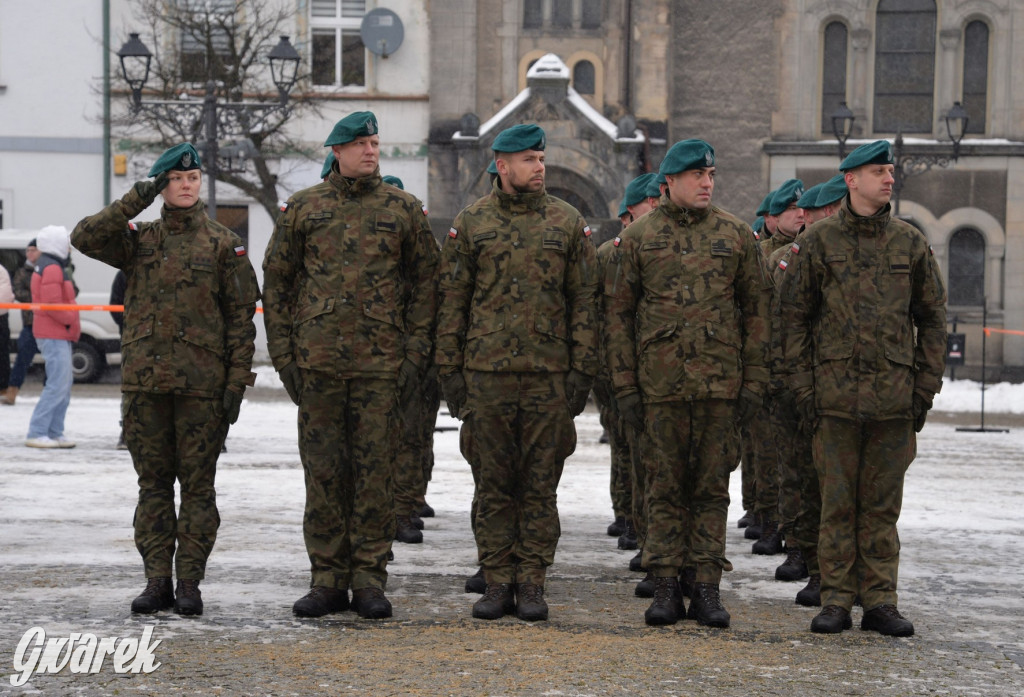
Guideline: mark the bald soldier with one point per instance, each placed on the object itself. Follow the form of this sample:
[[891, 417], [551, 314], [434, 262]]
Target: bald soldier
[[686, 340], [349, 304], [517, 355], [863, 313]]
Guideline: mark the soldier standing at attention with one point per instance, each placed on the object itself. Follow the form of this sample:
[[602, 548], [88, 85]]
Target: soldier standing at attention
[[349, 305], [517, 355], [186, 358], [864, 334], [686, 337]]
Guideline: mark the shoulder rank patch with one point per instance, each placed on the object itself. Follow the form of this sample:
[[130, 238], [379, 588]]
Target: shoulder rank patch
[[240, 251], [132, 226], [453, 233], [795, 248], [617, 241], [586, 231], [283, 205], [783, 264]]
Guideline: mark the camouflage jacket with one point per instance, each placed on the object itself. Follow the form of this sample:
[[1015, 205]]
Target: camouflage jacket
[[686, 298], [854, 292], [349, 279], [518, 285], [190, 299], [774, 249]]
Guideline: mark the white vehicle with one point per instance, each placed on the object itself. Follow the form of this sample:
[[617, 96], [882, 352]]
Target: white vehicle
[[100, 335]]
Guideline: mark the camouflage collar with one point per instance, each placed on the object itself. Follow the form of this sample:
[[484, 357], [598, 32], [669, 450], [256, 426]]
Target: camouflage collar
[[683, 216], [355, 187], [518, 203], [864, 226], [178, 220]]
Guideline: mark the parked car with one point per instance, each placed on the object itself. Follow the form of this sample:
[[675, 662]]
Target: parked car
[[100, 337]]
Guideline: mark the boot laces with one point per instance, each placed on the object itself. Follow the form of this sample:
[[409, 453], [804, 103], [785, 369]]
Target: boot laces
[[664, 590], [530, 593]]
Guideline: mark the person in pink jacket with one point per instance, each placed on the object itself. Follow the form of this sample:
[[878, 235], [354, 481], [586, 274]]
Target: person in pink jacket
[[55, 331]]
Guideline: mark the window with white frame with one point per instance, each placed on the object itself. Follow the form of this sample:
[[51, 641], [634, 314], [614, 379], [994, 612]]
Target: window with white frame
[[205, 25], [339, 57]]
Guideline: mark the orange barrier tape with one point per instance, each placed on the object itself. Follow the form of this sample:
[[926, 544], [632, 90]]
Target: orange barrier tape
[[79, 308], [989, 331]]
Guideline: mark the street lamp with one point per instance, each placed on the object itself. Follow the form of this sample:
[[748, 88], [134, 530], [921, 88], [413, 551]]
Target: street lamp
[[907, 165], [214, 118], [842, 126]]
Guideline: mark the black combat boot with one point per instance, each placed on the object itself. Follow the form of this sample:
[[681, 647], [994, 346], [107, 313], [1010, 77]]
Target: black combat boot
[[497, 602], [416, 521], [637, 562], [188, 600], [627, 540], [617, 527], [159, 595], [476, 582], [810, 595], [794, 568], [687, 579], [530, 603], [753, 531], [320, 601], [371, 603], [887, 620], [406, 532], [831, 620], [771, 539], [747, 519], [667, 607], [706, 606], [426, 511], [645, 589]]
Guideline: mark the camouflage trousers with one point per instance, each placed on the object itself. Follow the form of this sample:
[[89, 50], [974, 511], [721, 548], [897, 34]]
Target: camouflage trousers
[[414, 460], [347, 438], [759, 450], [516, 434], [748, 485], [861, 467], [174, 438], [799, 493], [621, 483], [689, 449]]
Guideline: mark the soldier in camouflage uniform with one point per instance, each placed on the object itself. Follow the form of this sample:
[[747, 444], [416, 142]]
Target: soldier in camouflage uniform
[[686, 337], [516, 349], [186, 357], [864, 335], [349, 304]]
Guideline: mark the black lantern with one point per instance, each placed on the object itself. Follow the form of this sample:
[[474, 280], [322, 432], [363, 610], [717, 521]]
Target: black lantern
[[842, 126], [135, 60], [284, 67], [956, 126]]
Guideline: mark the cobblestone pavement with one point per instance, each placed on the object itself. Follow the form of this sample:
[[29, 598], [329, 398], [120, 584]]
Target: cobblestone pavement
[[960, 587]]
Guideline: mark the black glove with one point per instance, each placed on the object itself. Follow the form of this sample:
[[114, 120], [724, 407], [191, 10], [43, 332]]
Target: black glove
[[408, 381], [577, 389], [143, 193], [747, 406], [806, 412], [631, 409], [292, 379], [921, 407], [431, 387], [453, 387], [232, 404]]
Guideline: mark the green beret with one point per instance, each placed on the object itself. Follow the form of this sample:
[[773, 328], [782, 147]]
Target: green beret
[[766, 203], [181, 157], [758, 224], [654, 185], [492, 167], [355, 125], [687, 154], [393, 181], [636, 190], [877, 153], [786, 195], [810, 197], [328, 164], [833, 190], [525, 136], [622, 208]]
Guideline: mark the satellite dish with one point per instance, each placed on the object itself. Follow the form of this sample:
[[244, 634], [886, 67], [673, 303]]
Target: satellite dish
[[382, 32]]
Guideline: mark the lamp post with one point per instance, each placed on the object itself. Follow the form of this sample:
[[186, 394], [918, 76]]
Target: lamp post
[[211, 118], [907, 165], [842, 126]]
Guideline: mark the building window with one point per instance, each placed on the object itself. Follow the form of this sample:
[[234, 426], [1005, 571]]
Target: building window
[[561, 14], [203, 22], [833, 73], [533, 14], [904, 66], [592, 12], [967, 268], [339, 57], [583, 80], [976, 75]]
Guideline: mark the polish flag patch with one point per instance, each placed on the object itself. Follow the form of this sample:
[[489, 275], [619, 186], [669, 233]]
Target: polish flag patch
[[795, 248], [424, 209], [617, 241], [586, 231], [133, 227], [453, 233], [283, 205], [240, 251], [783, 264]]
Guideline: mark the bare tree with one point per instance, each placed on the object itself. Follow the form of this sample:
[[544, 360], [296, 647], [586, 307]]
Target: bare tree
[[224, 44]]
